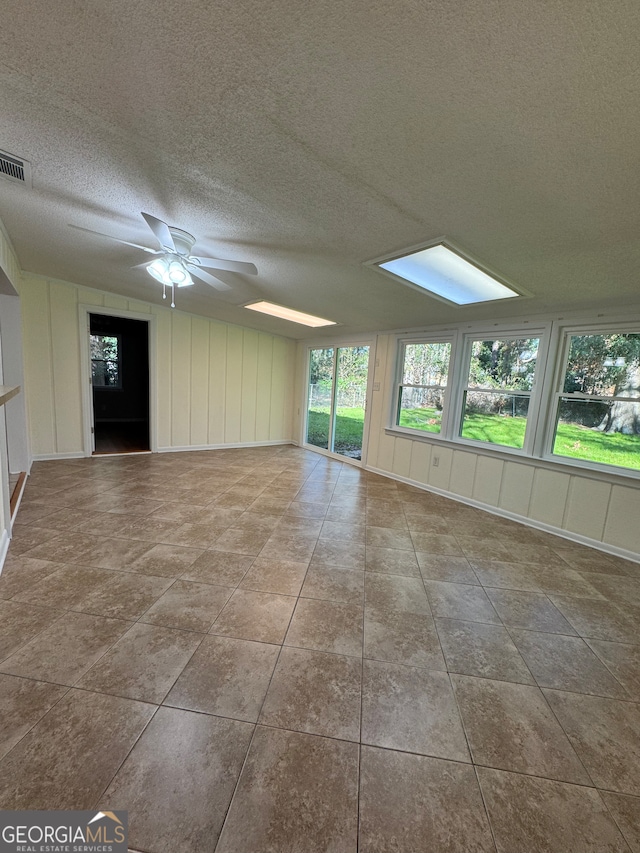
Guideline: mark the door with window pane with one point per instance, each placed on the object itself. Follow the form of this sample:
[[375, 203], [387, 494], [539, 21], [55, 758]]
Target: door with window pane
[[337, 399]]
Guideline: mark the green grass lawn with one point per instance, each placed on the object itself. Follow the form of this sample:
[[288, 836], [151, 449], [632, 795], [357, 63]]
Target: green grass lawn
[[348, 434], [576, 442]]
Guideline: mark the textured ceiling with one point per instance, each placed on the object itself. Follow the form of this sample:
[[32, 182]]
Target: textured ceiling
[[308, 138]]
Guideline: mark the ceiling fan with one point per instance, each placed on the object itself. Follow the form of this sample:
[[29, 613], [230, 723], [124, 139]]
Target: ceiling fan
[[174, 265]]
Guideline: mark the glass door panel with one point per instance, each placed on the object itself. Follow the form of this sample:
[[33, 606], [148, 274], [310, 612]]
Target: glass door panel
[[321, 371], [337, 399], [350, 400]]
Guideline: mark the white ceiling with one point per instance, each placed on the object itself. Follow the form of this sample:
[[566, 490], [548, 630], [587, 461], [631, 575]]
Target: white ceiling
[[308, 138]]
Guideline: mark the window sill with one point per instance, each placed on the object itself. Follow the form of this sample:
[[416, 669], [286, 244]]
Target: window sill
[[511, 454]]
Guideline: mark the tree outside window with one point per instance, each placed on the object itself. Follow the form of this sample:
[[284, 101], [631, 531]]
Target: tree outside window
[[423, 385], [498, 390], [597, 415], [105, 361]]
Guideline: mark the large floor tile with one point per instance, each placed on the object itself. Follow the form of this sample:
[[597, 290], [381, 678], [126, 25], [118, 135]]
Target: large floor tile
[[280, 576], [626, 813], [606, 736], [623, 661], [67, 759], [395, 592], [20, 574], [218, 567], [460, 601], [315, 692], [402, 637], [411, 709], [260, 616], [168, 561], [476, 648], [111, 552], [22, 703], [332, 583], [178, 781], [392, 561], [339, 552], [530, 610], [188, 606], [20, 623], [511, 727], [300, 792], [599, 620], [531, 815], [566, 663], [412, 803], [227, 677], [326, 626], [437, 543], [66, 649], [65, 587], [123, 595], [144, 664], [437, 567]]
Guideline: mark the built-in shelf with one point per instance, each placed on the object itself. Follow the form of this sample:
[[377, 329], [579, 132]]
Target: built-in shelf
[[7, 392]]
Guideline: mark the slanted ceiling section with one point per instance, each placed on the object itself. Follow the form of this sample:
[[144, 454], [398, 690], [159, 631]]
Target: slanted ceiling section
[[217, 384], [308, 138]]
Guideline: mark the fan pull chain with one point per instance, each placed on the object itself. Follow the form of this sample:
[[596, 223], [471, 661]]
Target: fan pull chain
[[173, 290], [164, 290]]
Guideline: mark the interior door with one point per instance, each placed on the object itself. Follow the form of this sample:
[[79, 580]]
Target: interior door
[[337, 399]]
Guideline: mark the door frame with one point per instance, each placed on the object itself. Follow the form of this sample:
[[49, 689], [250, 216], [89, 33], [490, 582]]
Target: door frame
[[335, 345], [84, 310]]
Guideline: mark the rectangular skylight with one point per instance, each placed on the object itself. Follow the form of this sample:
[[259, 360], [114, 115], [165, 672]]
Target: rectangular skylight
[[289, 314], [447, 274]]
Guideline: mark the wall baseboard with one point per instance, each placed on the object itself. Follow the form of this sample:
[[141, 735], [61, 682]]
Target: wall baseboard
[[230, 446], [614, 550], [4, 547], [49, 457]]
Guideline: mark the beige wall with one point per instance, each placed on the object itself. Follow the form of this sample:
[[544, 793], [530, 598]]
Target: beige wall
[[10, 273], [597, 508], [216, 383]]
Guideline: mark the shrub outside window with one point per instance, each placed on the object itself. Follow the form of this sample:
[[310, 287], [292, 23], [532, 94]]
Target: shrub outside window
[[497, 394], [422, 389], [597, 412], [105, 361]]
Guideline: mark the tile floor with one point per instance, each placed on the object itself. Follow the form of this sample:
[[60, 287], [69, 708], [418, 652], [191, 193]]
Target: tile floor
[[268, 650]]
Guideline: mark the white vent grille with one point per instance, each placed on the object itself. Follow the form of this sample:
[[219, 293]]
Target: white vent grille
[[15, 169]]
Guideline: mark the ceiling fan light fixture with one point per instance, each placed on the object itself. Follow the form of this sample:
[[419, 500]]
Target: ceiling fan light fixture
[[178, 275], [169, 272], [159, 269]]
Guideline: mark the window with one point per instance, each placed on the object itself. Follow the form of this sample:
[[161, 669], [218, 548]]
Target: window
[[498, 389], [105, 361], [597, 407], [423, 384]]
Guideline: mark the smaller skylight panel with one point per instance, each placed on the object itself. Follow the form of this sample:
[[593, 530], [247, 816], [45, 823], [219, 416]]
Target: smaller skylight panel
[[448, 275], [289, 314]]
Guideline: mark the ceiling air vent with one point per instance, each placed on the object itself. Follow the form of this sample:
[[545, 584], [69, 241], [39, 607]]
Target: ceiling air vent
[[14, 169]]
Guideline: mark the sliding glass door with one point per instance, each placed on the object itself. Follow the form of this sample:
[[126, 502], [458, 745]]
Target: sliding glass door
[[337, 399]]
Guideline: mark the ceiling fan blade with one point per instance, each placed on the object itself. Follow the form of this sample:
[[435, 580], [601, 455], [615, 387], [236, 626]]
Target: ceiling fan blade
[[161, 231], [208, 279], [117, 240], [232, 266]]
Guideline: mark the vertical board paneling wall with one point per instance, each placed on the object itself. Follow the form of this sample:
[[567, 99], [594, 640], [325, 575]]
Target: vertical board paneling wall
[[584, 507], [216, 383]]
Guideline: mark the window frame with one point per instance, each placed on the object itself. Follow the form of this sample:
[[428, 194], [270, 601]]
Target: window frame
[[535, 395], [401, 343], [556, 393]]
